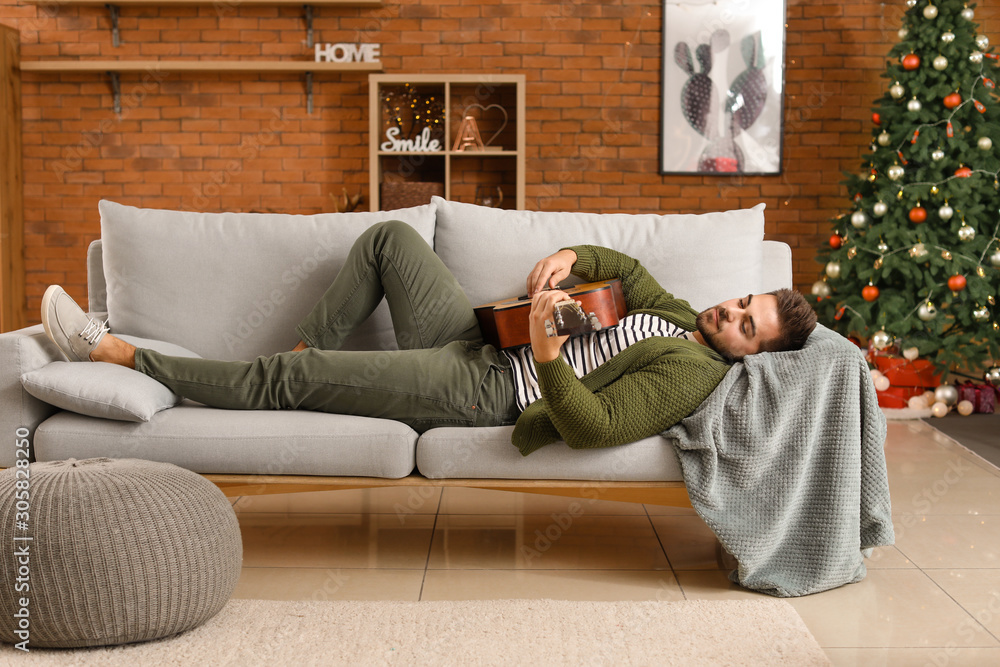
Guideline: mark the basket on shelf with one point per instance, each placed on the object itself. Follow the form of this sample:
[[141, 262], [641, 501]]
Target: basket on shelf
[[404, 194]]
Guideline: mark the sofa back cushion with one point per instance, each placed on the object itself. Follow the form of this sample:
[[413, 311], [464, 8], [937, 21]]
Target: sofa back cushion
[[232, 285], [704, 259]]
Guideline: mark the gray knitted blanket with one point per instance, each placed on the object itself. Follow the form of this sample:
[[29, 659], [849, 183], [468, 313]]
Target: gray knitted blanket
[[785, 462]]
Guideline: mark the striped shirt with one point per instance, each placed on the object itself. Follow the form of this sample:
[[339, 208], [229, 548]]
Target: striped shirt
[[585, 353]]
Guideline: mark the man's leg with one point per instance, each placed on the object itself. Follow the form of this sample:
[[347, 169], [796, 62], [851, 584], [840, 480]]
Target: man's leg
[[459, 384], [391, 260]]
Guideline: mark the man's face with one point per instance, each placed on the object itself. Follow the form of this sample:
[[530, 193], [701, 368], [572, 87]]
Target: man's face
[[739, 327]]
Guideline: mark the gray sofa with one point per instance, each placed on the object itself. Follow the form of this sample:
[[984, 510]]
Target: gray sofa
[[233, 286]]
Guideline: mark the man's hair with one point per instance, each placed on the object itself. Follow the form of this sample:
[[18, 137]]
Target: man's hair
[[796, 319]]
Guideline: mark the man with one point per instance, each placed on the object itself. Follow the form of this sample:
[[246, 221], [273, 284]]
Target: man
[[605, 389]]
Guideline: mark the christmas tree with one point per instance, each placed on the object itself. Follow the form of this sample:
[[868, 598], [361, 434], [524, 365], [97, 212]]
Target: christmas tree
[[913, 266]]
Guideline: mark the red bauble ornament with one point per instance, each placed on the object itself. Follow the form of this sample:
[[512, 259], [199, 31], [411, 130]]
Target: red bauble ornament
[[870, 293], [911, 61], [956, 283], [953, 100], [836, 241], [963, 172], [876, 118], [918, 214]]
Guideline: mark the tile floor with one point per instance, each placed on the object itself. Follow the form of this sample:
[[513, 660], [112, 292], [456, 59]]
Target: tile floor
[[932, 599]]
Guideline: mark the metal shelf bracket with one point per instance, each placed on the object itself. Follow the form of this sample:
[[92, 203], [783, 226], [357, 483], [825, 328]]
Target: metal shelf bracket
[[116, 90], [309, 93], [309, 24], [115, 35]]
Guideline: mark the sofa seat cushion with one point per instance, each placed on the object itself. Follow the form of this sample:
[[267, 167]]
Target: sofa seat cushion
[[254, 442], [487, 453]]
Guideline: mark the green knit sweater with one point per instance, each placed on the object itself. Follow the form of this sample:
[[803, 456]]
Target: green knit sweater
[[643, 390]]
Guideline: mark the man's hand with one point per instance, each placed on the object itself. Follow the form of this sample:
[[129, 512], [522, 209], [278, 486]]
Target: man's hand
[[544, 348], [549, 271]]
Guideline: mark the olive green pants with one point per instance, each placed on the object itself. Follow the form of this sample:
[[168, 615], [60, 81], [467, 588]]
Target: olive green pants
[[441, 375]]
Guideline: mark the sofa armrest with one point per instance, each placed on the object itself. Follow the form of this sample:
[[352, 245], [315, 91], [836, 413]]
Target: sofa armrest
[[22, 351]]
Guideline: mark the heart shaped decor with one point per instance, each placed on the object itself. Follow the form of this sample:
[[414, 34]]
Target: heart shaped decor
[[484, 110]]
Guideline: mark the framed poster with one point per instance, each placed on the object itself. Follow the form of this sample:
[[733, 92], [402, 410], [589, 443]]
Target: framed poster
[[723, 81]]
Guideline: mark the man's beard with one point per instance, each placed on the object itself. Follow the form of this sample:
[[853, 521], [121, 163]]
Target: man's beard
[[706, 321]]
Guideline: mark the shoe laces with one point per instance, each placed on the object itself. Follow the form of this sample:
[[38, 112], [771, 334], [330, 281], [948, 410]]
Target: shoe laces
[[94, 330]]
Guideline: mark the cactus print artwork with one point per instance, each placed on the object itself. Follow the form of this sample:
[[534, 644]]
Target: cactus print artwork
[[723, 109]]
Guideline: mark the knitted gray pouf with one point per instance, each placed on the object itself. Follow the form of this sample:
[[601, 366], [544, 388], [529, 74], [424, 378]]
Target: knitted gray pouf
[[121, 550]]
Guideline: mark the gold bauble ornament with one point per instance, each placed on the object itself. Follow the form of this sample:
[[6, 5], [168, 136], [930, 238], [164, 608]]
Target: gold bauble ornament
[[881, 340]]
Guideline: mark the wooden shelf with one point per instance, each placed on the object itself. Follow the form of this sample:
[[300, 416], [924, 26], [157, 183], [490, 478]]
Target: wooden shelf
[[115, 67], [113, 8], [449, 165], [451, 153], [195, 66], [236, 3]]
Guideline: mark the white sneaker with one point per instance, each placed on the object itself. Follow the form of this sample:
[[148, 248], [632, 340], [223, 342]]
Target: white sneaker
[[69, 327]]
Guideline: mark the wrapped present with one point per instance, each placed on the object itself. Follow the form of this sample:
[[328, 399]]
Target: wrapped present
[[906, 379], [982, 396], [986, 399]]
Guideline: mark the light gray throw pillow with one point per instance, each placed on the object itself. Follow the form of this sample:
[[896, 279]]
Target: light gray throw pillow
[[104, 390]]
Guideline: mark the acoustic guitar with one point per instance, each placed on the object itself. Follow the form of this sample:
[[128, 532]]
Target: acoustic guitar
[[504, 323]]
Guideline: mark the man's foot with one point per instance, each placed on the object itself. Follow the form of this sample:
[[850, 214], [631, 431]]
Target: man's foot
[[68, 326]]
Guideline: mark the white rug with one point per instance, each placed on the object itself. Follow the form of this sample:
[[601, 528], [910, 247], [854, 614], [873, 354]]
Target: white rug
[[488, 632]]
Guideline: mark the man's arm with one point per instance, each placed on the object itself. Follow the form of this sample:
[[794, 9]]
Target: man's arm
[[657, 393], [594, 263]]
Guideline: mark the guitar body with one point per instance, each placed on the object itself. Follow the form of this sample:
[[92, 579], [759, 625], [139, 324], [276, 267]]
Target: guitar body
[[504, 323]]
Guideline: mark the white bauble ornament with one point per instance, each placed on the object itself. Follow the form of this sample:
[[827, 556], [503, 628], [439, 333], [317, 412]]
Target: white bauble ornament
[[993, 376], [883, 247], [937, 155], [897, 90], [939, 409], [821, 289], [946, 394], [981, 314], [903, 33], [948, 37], [995, 258], [881, 340], [927, 312], [966, 233], [917, 403], [859, 219], [880, 208], [911, 3], [983, 42], [882, 383], [914, 105], [911, 353], [896, 172], [918, 252], [946, 212], [884, 138], [875, 373], [930, 12], [976, 57], [833, 269], [940, 63], [984, 143], [928, 397], [968, 14], [965, 408]]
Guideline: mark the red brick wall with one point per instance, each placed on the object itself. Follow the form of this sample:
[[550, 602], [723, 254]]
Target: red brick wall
[[245, 142]]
